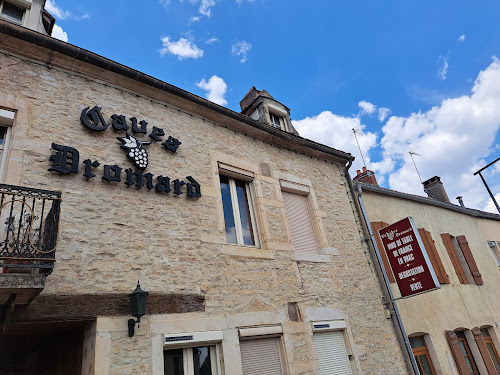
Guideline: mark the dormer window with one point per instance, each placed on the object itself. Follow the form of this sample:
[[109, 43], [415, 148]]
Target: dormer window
[[11, 12], [277, 121]]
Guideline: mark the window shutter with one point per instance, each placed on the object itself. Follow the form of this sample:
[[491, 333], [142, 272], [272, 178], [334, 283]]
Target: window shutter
[[478, 337], [261, 356], [454, 258], [457, 353], [332, 353], [300, 221], [464, 245], [434, 256], [376, 226]]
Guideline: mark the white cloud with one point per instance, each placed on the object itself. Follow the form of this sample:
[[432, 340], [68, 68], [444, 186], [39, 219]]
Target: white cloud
[[183, 48], [383, 113], [367, 107], [241, 49], [336, 131], [454, 139], [216, 89], [57, 12], [194, 19], [212, 40], [206, 7], [461, 38], [59, 33], [443, 68]]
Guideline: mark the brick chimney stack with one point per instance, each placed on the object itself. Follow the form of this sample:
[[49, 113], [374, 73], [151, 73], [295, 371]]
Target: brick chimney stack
[[435, 189], [367, 176]]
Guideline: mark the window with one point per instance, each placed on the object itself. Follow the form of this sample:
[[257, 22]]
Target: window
[[277, 121], [494, 247], [239, 217], [199, 360], [12, 12], [491, 348], [463, 261], [260, 349], [333, 357], [430, 247], [465, 349], [422, 356], [300, 221], [6, 122]]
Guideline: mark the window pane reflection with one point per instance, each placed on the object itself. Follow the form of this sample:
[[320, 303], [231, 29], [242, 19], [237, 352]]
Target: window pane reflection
[[202, 362], [246, 223], [173, 362], [228, 210]]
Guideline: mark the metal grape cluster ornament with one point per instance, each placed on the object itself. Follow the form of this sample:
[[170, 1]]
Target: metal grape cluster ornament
[[66, 159]]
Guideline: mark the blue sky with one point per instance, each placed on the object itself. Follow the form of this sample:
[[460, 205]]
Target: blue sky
[[412, 76]]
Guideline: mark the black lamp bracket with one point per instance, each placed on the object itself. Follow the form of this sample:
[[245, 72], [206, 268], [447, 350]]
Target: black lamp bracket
[[131, 326]]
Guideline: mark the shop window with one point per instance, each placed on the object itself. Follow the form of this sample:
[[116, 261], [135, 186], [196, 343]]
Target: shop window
[[12, 12], [333, 356], [277, 121], [491, 349], [261, 351], [463, 261], [239, 217], [495, 250], [198, 360], [300, 220], [422, 356]]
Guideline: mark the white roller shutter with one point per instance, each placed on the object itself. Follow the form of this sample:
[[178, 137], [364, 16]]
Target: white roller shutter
[[332, 354], [301, 226], [262, 356]]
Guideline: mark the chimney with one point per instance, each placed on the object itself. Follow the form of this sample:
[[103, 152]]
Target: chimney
[[461, 201], [435, 189], [367, 176]]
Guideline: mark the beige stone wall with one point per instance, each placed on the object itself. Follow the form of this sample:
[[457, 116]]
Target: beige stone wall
[[111, 235], [454, 305]]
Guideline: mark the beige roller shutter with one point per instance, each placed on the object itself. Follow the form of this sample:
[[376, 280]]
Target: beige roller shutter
[[332, 353], [300, 221], [261, 356]]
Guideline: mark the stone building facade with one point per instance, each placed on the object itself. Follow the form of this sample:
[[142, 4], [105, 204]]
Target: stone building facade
[[235, 293], [454, 329]]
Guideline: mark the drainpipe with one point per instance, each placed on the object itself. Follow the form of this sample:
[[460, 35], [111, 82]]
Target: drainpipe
[[388, 295]]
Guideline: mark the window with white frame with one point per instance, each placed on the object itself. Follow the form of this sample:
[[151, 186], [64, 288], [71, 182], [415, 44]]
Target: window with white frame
[[495, 250], [333, 356], [239, 216], [300, 220], [277, 121], [261, 350], [195, 353], [11, 12], [6, 122]]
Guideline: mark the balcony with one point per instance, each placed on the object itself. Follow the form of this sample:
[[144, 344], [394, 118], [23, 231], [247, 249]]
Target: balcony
[[29, 222]]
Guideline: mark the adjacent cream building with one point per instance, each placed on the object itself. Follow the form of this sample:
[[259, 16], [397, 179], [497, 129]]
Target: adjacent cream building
[[455, 329], [244, 234]]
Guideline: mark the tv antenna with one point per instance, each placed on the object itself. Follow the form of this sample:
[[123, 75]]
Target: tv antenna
[[357, 131], [411, 155]]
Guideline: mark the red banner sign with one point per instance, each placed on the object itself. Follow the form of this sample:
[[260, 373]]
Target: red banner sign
[[409, 261]]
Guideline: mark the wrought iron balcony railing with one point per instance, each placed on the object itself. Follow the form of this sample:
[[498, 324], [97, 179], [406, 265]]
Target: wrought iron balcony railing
[[29, 223]]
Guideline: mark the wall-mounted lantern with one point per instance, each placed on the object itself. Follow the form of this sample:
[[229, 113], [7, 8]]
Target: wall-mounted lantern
[[138, 299]]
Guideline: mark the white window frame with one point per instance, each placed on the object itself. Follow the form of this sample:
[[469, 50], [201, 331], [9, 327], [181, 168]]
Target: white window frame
[[17, 4], [188, 341], [233, 174], [280, 120], [7, 117]]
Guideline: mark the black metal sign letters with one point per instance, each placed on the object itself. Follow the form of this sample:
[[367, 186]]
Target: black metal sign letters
[[65, 159]]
